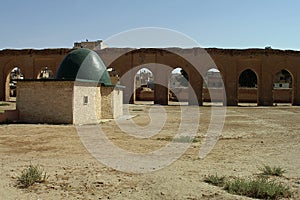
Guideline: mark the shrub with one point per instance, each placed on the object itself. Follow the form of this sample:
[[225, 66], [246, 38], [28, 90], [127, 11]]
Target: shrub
[[215, 180], [31, 175], [260, 188], [271, 171]]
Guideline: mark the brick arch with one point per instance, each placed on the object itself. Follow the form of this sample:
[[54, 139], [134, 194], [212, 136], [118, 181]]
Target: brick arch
[[283, 95], [142, 57], [219, 71], [179, 94], [229, 61], [283, 65], [38, 71], [214, 93], [250, 70], [8, 69], [248, 94], [286, 69]]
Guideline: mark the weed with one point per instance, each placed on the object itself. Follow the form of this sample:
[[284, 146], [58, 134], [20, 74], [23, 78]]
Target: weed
[[31, 175], [215, 180], [271, 171], [260, 188]]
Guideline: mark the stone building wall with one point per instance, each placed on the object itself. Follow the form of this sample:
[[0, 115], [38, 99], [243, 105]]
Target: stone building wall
[[117, 102], [69, 102], [45, 101], [87, 103], [111, 102]]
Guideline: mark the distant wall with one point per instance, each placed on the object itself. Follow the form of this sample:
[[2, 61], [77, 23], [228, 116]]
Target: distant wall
[[45, 101], [9, 116]]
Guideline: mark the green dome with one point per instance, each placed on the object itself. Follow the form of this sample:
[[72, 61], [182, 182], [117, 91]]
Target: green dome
[[85, 65]]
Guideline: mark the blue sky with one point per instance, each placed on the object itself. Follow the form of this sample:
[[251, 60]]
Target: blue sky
[[212, 23]]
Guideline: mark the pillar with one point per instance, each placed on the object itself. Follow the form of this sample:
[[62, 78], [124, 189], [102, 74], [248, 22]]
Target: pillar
[[195, 89], [231, 85], [161, 82], [2, 86], [296, 89], [265, 86], [127, 80]]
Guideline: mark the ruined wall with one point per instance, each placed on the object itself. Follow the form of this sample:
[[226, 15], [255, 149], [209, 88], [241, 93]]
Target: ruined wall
[[30, 62], [265, 63], [45, 101]]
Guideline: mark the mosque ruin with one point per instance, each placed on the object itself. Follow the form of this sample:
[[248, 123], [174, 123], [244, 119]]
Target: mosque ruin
[[262, 76], [81, 93]]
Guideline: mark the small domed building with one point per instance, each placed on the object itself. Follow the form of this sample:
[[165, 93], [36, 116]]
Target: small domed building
[[81, 93]]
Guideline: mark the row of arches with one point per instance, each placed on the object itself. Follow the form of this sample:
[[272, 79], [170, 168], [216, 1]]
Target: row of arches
[[16, 74], [248, 85]]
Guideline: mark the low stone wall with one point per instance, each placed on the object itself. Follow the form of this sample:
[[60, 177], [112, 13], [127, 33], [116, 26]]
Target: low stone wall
[[247, 95], [9, 116], [282, 95], [216, 93]]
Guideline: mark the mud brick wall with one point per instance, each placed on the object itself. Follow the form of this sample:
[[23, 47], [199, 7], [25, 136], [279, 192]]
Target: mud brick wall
[[45, 101]]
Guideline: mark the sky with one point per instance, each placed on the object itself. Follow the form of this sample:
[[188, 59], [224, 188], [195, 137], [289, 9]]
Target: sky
[[211, 23]]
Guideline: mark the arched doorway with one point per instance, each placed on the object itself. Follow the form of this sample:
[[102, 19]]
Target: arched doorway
[[114, 75], [247, 88], [45, 73], [213, 87], [178, 85], [283, 87], [144, 86], [11, 83]]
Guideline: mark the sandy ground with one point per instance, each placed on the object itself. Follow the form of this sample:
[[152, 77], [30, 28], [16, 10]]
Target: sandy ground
[[251, 137]]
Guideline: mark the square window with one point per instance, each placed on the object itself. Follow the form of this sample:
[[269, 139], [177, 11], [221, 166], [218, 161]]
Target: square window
[[85, 100]]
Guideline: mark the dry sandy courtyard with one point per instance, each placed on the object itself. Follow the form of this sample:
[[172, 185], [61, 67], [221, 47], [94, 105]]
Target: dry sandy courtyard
[[251, 137]]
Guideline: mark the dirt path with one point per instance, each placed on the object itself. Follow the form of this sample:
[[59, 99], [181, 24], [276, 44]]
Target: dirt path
[[252, 136]]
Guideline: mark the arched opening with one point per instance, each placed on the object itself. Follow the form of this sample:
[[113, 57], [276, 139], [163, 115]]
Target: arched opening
[[282, 87], [247, 88], [11, 83], [178, 85], [114, 75], [144, 86], [45, 73], [213, 87]]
